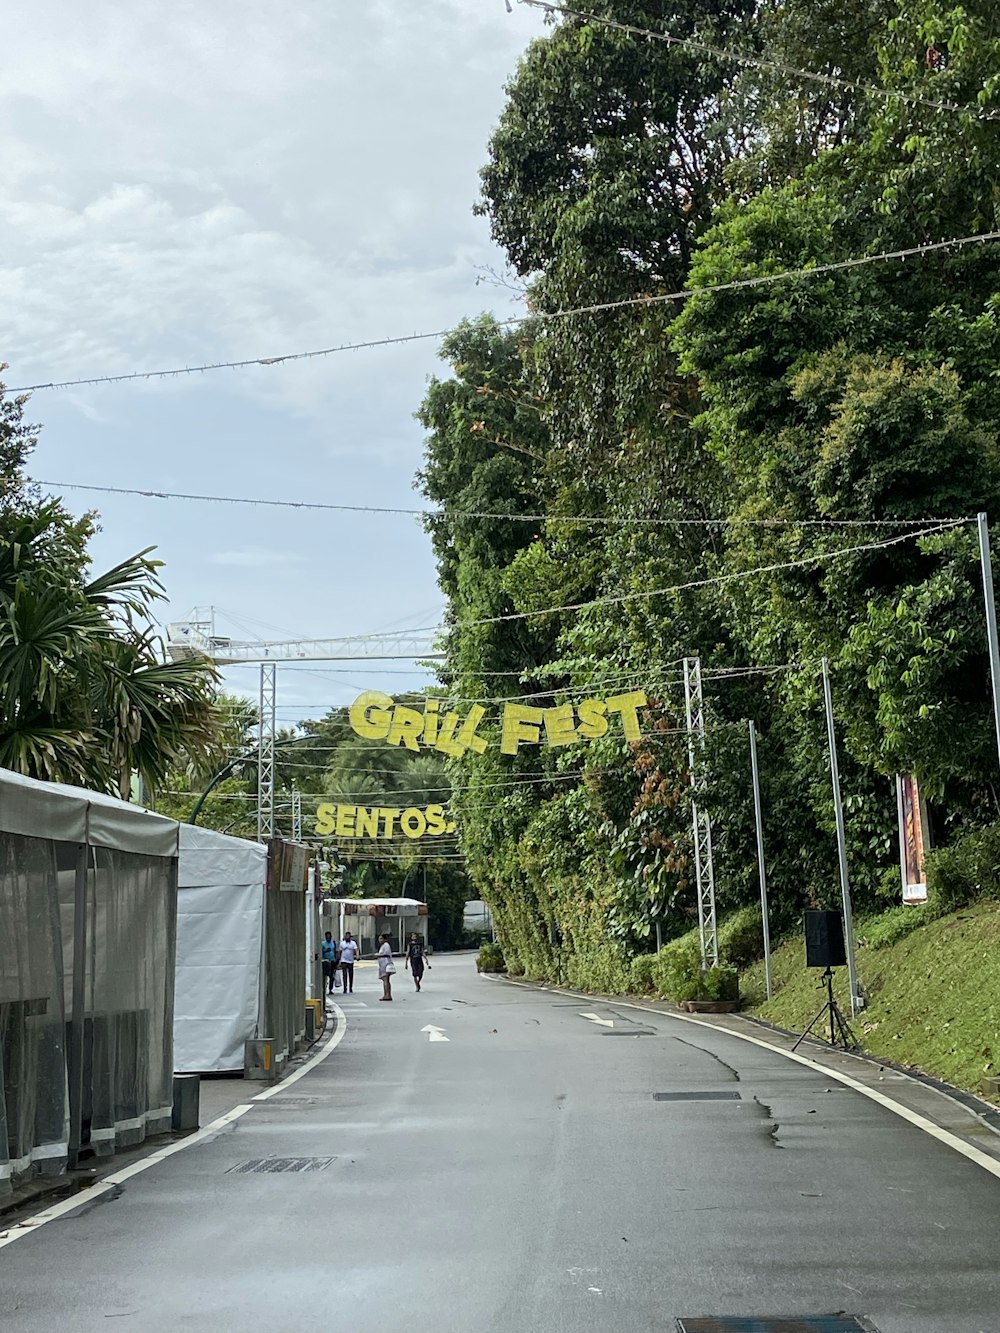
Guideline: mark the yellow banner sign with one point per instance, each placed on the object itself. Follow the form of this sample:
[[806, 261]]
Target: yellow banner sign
[[379, 821], [377, 717]]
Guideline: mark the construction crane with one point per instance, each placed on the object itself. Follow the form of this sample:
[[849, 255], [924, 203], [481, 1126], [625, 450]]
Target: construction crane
[[197, 638]]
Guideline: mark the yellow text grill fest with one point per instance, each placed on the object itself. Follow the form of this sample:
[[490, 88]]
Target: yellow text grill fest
[[375, 716]]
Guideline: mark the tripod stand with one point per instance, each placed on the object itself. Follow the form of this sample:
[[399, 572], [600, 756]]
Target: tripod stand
[[840, 1030]]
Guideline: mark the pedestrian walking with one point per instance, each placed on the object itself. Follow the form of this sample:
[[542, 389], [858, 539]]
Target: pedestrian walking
[[329, 962], [349, 950], [416, 959], [386, 966]]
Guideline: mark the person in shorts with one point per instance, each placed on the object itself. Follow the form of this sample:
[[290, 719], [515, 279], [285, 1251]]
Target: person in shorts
[[416, 959], [329, 962]]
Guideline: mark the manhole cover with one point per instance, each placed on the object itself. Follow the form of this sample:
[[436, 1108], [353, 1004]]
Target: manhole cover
[[257, 1165], [831, 1323], [696, 1097]]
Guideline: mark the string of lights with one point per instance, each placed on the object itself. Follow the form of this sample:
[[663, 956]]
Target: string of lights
[[747, 60], [601, 520], [514, 321], [618, 599]]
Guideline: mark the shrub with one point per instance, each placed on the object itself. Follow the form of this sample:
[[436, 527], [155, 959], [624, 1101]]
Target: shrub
[[641, 973], [882, 931], [718, 983], [677, 968], [490, 958], [967, 869], [741, 938]]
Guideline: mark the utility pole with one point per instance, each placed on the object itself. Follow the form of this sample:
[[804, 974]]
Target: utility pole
[[991, 619], [838, 809], [755, 778], [265, 752], [704, 866]]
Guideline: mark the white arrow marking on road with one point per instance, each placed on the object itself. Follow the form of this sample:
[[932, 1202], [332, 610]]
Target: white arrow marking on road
[[596, 1018], [435, 1034]]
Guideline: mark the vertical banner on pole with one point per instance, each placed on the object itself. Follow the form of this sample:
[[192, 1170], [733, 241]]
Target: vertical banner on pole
[[912, 839]]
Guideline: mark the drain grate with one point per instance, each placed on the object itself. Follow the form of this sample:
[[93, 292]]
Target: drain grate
[[696, 1097], [630, 1032], [256, 1165], [814, 1324]]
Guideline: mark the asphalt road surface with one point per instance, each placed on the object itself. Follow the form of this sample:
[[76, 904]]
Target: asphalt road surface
[[523, 1176]]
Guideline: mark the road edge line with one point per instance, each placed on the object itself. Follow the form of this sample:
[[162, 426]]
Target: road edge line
[[945, 1136], [29, 1225]]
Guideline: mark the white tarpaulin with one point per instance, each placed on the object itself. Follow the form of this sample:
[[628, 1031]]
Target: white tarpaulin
[[51, 810], [220, 924]]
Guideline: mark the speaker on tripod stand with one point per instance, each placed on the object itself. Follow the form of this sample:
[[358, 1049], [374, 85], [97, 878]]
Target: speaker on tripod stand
[[825, 948]]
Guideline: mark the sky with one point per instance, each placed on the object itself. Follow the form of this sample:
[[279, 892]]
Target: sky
[[195, 183]]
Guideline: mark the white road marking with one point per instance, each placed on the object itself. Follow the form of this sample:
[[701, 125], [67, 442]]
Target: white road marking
[[435, 1034], [944, 1136], [596, 1018], [51, 1214]]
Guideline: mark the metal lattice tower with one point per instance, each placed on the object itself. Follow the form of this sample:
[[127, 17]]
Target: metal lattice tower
[[265, 752], [704, 865], [296, 815]]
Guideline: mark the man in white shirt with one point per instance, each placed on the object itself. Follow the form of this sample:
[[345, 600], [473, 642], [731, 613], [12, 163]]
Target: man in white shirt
[[348, 952]]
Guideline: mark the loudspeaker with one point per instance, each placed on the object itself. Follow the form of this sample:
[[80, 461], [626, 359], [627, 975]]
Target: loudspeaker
[[825, 940]]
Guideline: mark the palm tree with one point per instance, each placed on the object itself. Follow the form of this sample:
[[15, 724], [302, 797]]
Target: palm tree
[[85, 693]]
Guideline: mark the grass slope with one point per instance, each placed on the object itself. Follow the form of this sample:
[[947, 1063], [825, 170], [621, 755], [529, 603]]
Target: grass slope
[[933, 995]]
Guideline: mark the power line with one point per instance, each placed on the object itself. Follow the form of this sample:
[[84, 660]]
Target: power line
[[513, 321], [582, 519], [778, 567], [761, 62]]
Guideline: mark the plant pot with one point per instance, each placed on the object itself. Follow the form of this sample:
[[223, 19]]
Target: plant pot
[[711, 1006]]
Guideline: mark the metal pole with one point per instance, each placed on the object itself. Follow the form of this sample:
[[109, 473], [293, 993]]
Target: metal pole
[[755, 776], [991, 619], [704, 863], [838, 808], [78, 1014], [265, 753]]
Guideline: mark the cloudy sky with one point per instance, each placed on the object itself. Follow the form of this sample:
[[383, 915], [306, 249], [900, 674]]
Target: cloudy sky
[[187, 183]]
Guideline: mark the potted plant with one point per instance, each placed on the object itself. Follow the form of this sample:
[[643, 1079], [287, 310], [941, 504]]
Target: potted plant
[[716, 991]]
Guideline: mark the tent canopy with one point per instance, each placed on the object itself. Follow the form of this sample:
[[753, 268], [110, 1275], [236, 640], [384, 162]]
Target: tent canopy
[[51, 810]]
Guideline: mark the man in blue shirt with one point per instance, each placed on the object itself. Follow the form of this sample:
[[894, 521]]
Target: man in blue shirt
[[329, 962]]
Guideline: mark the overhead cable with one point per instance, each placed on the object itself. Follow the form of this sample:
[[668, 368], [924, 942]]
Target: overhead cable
[[583, 519], [761, 62], [513, 321]]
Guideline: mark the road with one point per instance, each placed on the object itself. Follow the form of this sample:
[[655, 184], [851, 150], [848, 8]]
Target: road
[[522, 1177]]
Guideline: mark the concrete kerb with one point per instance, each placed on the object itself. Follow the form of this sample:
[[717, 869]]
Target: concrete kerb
[[948, 1114]]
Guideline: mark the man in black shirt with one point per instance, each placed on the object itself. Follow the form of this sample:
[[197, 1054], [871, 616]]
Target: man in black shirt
[[415, 960]]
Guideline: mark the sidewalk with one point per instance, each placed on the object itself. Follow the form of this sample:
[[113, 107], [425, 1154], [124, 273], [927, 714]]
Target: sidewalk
[[952, 1111], [218, 1094]]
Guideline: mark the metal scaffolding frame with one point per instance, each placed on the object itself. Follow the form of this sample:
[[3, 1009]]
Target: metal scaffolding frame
[[701, 825], [296, 815], [265, 752]]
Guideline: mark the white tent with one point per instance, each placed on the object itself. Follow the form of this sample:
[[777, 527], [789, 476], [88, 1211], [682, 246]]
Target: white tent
[[87, 904], [218, 998]]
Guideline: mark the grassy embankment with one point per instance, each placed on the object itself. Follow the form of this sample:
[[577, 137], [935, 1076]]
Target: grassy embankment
[[933, 991]]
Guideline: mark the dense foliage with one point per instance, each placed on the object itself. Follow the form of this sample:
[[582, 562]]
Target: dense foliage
[[779, 417]]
